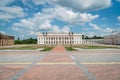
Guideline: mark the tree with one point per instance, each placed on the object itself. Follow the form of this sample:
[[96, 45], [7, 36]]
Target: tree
[[94, 37], [83, 36], [18, 38], [17, 42], [26, 41], [86, 37]]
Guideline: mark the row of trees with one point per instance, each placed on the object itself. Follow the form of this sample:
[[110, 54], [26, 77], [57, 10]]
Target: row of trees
[[26, 41], [94, 37]]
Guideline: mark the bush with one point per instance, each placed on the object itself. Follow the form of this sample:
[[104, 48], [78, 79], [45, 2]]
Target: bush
[[26, 41]]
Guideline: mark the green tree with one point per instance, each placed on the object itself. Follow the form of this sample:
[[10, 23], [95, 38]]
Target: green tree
[[17, 42], [94, 37], [26, 41], [86, 37], [18, 38], [83, 36]]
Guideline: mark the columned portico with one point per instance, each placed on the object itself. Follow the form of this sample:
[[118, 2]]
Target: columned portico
[[59, 39]]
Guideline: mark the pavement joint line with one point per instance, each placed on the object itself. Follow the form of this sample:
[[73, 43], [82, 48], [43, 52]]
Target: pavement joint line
[[88, 74], [100, 62], [56, 63], [93, 53], [17, 63], [21, 72]]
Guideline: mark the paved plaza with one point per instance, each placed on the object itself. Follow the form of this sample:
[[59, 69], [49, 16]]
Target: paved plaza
[[59, 48], [59, 64]]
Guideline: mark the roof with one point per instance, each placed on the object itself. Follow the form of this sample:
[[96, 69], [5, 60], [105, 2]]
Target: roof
[[6, 36], [112, 35], [58, 33]]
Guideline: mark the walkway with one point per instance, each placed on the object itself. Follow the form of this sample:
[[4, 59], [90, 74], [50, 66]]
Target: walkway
[[59, 48], [61, 65]]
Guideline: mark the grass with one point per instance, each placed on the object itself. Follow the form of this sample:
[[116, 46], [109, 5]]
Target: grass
[[95, 47], [21, 48], [70, 49], [47, 48]]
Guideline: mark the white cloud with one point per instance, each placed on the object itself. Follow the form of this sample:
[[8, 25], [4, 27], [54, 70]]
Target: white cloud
[[91, 34], [108, 29], [5, 2], [46, 25], [15, 28], [66, 29], [84, 5], [79, 5], [38, 22], [103, 19], [40, 1], [85, 17], [118, 18], [25, 24], [96, 27], [6, 16], [3, 32], [42, 21], [28, 3], [101, 30], [69, 16], [11, 12]]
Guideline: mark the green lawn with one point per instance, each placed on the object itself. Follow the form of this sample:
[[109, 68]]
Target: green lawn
[[21, 48], [70, 49], [47, 48], [95, 47]]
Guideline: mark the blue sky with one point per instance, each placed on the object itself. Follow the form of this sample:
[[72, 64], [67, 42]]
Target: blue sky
[[28, 18]]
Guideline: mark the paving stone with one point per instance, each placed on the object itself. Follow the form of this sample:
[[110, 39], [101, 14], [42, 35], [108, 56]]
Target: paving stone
[[54, 72], [57, 58], [59, 48], [8, 71], [105, 72]]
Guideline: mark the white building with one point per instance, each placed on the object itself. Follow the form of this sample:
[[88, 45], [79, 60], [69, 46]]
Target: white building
[[112, 39], [59, 39], [92, 41]]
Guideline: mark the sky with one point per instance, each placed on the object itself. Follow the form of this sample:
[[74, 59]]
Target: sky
[[28, 18]]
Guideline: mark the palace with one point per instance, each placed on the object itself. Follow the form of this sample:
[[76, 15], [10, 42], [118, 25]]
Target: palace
[[59, 39], [6, 40]]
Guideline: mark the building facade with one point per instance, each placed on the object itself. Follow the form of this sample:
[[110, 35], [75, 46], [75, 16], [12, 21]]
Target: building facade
[[92, 41], [112, 39], [59, 39], [6, 40]]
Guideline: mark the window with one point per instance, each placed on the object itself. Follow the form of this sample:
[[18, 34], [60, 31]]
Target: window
[[67, 38]]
